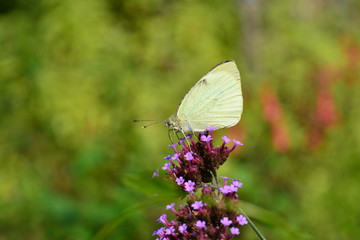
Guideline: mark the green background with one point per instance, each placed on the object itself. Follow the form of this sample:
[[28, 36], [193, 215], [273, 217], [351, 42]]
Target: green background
[[74, 74]]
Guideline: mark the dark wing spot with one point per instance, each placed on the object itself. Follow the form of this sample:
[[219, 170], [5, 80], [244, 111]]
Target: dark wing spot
[[203, 81]]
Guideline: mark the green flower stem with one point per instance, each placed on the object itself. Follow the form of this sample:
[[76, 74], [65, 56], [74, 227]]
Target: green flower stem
[[252, 225]]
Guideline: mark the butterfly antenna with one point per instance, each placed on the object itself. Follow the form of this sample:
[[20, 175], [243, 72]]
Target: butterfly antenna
[[154, 122]]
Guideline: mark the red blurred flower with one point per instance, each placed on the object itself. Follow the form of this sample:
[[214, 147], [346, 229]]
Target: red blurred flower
[[273, 114], [325, 113]]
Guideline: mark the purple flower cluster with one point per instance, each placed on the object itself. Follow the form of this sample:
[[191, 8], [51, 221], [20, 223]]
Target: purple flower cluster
[[213, 214], [204, 217], [196, 162]]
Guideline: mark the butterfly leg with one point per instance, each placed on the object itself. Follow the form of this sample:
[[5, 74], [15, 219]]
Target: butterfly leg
[[213, 172], [185, 138], [196, 138], [171, 139], [177, 132]]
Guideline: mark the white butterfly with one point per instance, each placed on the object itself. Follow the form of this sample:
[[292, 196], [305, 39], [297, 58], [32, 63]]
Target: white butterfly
[[215, 100]]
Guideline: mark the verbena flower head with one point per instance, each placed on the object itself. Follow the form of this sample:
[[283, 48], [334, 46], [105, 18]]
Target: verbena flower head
[[213, 214], [197, 161]]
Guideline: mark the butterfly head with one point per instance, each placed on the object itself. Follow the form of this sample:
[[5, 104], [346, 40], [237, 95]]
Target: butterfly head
[[172, 122]]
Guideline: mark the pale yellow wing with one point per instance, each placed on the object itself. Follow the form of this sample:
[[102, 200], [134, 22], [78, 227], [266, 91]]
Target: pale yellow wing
[[215, 100]]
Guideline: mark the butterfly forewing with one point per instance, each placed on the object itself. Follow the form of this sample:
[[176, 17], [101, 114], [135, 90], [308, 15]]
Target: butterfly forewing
[[215, 100]]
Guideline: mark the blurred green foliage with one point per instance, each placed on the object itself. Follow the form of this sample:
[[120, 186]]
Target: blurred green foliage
[[73, 74]]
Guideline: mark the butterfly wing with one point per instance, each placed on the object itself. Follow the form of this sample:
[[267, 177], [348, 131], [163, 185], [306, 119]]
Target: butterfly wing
[[215, 100]]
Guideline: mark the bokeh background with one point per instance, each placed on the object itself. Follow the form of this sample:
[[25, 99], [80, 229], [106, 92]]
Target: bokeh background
[[74, 74]]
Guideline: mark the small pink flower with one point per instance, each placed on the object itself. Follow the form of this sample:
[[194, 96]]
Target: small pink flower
[[241, 220], [170, 206], [211, 128], [206, 138], [226, 139], [166, 166], [236, 142], [189, 156], [234, 231], [197, 205], [200, 224], [180, 180], [189, 186], [225, 221]]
